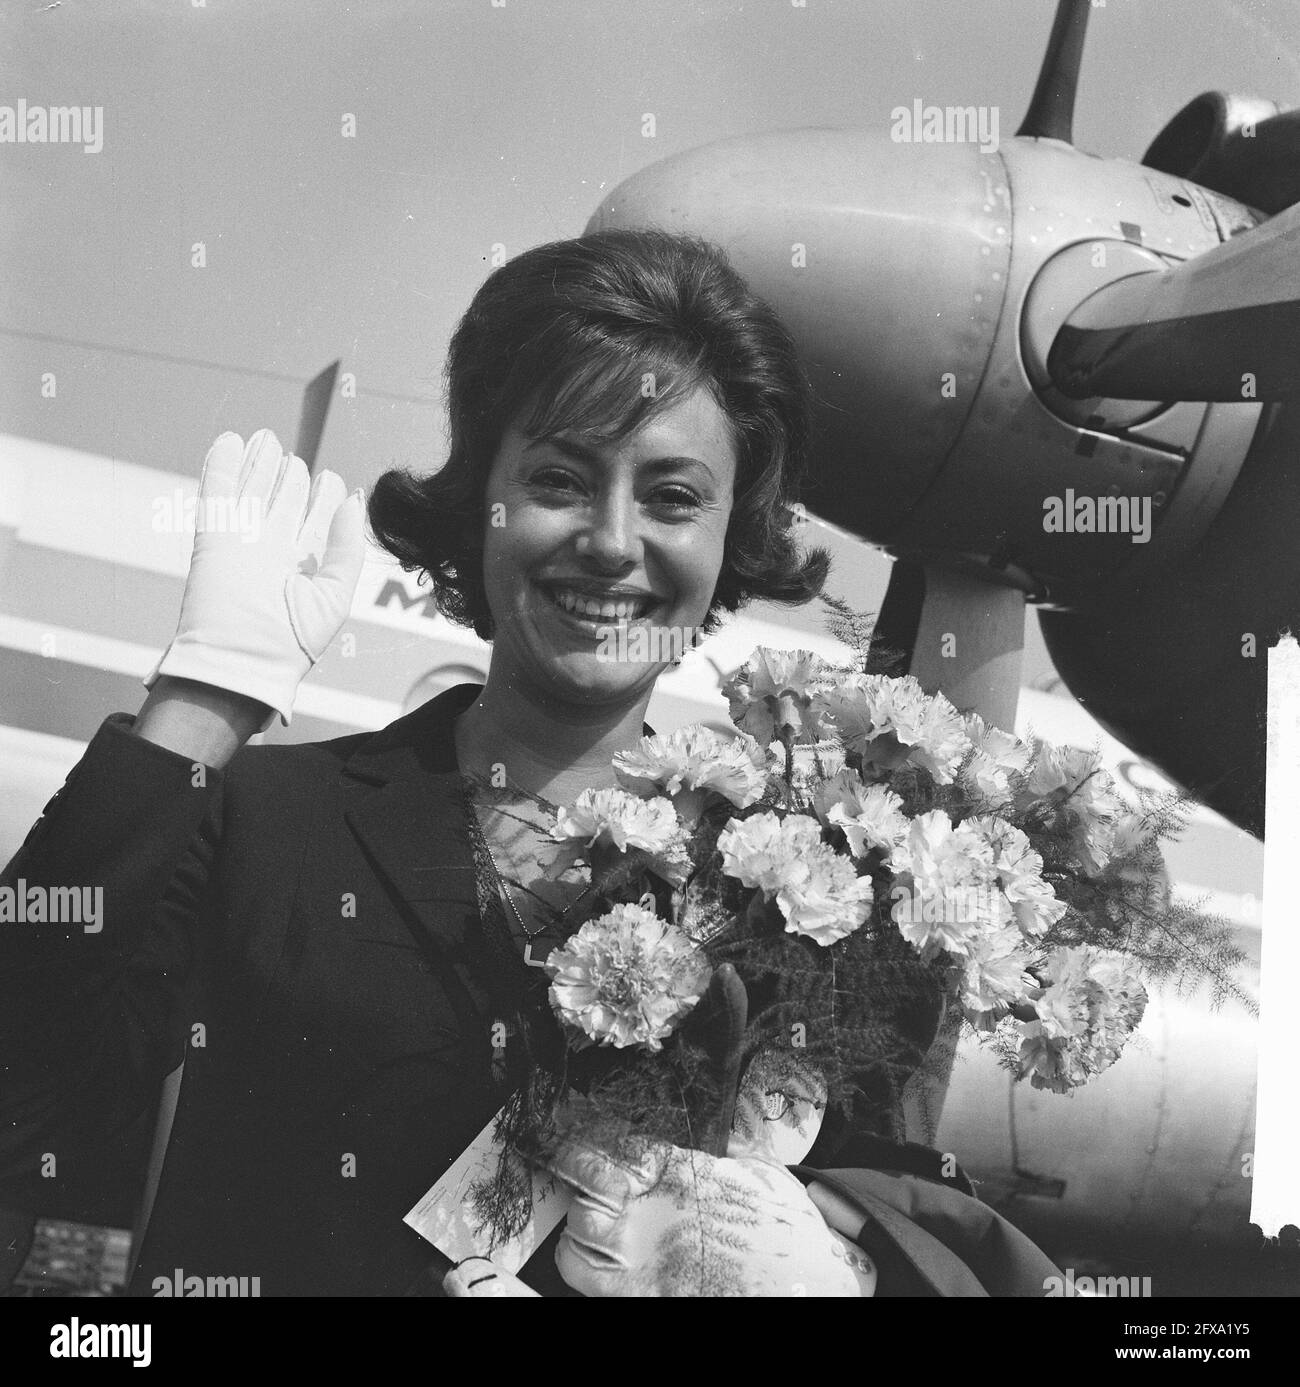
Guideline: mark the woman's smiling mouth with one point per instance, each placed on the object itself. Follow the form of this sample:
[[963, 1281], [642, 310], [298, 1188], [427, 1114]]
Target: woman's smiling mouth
[[593, 613]]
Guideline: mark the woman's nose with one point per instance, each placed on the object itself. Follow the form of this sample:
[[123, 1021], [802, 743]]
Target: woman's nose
[[610, 537]]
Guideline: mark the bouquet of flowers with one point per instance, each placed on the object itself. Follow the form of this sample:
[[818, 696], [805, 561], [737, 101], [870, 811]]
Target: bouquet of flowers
[[865, 857]]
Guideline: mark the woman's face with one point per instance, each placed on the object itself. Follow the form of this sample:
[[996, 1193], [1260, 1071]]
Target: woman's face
[[599, 555]]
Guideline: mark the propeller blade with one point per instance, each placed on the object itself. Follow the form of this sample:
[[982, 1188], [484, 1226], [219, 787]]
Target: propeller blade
[[1224, 326], [1051, 110], [1241, 146], [1258, 166], [315, 408], [1203, 730], [1175, 665]]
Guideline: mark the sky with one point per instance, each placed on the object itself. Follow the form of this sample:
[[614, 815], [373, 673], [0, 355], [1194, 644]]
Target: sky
[[477, 125]]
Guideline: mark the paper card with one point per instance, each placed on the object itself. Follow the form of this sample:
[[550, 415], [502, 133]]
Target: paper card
[[445, 1217]]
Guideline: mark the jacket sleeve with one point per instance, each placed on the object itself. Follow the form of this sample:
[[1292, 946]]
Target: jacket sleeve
[[934, 1240], [98, 912]]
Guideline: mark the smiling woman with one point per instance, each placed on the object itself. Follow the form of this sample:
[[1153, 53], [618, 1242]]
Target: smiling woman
[[606, 539], [629, 424], [345, 942], [579, 344]]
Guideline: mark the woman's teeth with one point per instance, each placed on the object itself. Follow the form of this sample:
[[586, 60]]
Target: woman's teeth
[[593, 609]]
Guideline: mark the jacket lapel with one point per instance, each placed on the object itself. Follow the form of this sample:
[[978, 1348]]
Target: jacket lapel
[[409, 816], [408, 811]]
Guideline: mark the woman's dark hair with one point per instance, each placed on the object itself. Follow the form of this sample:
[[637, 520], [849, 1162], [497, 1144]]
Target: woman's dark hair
[[570, 332]]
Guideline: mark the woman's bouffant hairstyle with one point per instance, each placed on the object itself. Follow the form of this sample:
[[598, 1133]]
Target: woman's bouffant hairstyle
[[566, 337]]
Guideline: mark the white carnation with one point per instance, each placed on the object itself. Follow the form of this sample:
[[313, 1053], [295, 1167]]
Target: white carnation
[[765, 850], [1092, 1000], [626, 978], [1018, 869], [1084, 797], [772, 695], [885, 721], [993, 975], [614, 819], [996, 757], [869, 815], [944, 892], [825, 899], [688, 764]]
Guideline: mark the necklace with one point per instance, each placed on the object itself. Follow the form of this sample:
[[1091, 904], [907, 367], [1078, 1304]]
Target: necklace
[[553, 927], [545, 928]]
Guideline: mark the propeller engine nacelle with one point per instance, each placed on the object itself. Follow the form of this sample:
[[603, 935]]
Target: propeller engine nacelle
[[924, 284], [1243, 146]]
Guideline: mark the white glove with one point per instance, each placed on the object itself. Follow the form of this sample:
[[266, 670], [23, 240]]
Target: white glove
[[679, 1223], [276, 561]]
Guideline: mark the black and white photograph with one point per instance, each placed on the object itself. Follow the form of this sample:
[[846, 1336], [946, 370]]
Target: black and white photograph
[[649, 650]]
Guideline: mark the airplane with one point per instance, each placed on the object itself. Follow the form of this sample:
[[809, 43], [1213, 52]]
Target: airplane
[[964, 532]]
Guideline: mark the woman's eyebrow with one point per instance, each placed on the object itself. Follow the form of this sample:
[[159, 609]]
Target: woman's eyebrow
[[675, 464], [582, 452], [570, 447]]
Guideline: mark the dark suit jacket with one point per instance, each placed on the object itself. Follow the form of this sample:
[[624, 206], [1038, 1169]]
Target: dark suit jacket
[[302, 930]]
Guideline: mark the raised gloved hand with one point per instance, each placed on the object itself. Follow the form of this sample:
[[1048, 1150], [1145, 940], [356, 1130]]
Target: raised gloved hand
[[276, 560], [674, 1222]]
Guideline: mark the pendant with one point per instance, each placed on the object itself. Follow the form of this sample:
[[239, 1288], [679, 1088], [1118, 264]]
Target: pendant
[[530, 960]]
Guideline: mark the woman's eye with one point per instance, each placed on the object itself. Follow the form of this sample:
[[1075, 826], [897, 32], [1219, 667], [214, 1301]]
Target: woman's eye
[[554, 480], [677, 498]]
